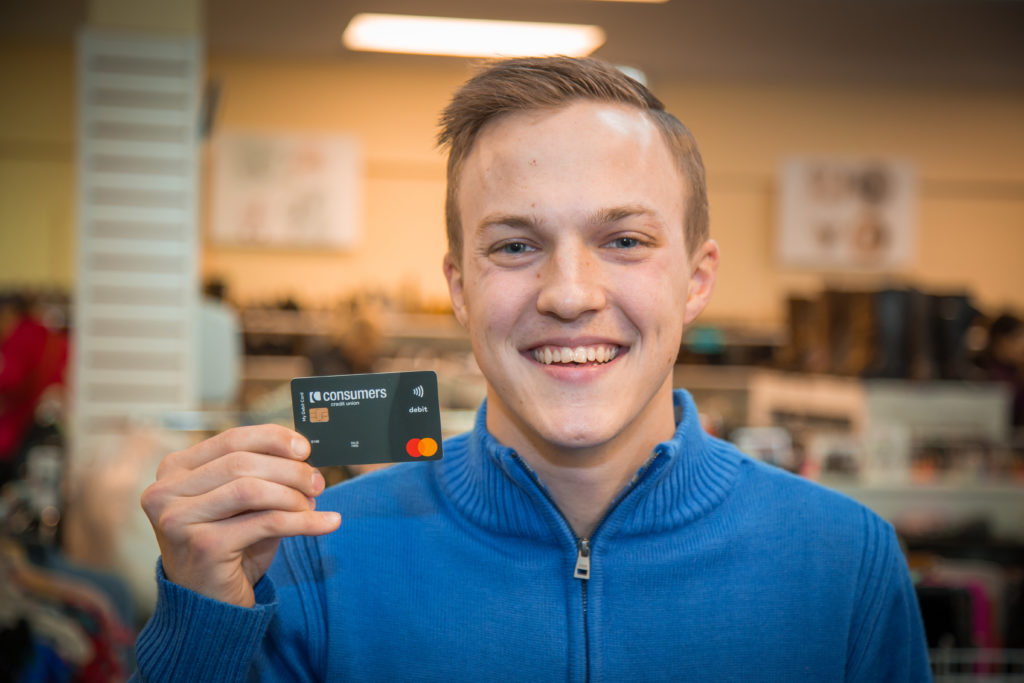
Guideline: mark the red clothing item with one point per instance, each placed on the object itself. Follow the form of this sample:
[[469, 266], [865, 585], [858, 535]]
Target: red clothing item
[[32, 358]]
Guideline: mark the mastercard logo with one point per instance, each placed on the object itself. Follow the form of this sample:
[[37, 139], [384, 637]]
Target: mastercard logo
[[421, 447]]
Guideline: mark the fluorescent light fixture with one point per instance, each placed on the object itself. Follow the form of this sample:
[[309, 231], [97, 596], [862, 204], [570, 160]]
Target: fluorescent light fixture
[[468, 37]]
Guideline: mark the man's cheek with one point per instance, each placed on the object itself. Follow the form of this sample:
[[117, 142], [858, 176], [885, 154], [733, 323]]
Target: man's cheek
[[495, 301]]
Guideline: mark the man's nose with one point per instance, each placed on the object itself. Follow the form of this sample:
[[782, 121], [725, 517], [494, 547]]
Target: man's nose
[[571, 283]]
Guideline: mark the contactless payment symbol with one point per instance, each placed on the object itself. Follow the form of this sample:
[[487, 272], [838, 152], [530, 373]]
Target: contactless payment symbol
[[418, 391], [417, 448]]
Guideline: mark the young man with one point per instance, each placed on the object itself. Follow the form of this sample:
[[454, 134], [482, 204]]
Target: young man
[[587, 528]]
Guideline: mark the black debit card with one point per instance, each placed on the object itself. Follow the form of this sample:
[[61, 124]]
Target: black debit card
[[372, 418]]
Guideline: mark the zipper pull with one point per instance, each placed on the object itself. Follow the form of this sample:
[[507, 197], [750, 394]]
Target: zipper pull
[[582, 560]]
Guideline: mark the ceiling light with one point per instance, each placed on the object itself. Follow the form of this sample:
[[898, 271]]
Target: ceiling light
[[468, 37]]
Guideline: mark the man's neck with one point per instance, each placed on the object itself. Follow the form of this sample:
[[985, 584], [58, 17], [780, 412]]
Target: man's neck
[[584, 481]]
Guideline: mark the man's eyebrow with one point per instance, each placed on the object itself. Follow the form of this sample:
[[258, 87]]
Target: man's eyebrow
[[506, 220], [618, 213], [604, 216]]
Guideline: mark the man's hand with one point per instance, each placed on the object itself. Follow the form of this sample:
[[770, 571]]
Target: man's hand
[[220, 508]]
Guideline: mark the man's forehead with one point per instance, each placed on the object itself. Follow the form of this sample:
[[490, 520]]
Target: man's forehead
[[568, 141]]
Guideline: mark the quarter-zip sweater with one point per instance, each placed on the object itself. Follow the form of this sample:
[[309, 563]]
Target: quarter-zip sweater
[[708, 566]]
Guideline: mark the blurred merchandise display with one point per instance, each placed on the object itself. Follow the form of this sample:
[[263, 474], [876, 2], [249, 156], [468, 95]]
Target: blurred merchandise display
[[897, 333], [59, 619], [974, 617]]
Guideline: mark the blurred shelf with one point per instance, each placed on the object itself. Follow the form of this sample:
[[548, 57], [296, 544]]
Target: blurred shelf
[[423, 326], [285, 322], [948, 503], [713, 377], [437, 332], [274, 368], [425, 333]]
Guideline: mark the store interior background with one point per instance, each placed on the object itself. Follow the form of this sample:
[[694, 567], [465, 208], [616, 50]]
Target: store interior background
[[940, 85]]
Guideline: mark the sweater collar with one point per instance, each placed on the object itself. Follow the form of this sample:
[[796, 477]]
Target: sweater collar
[[686, 477]]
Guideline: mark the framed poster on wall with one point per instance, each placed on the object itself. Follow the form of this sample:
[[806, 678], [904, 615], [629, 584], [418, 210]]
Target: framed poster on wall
[[286, 190], [846, 214]]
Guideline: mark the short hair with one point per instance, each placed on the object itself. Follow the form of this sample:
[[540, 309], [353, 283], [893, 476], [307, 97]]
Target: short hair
[[527, 84]]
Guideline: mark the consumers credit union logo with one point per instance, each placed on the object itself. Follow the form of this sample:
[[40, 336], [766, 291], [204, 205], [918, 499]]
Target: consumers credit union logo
[[421, 448], [348, 394]]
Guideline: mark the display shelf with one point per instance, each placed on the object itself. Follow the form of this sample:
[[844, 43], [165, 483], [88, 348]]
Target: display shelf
[[287, 322], [929, 413], [946, 504], [274, 369]]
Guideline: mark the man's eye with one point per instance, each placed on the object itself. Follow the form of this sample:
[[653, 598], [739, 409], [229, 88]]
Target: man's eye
[[513, 248], [625, 242]]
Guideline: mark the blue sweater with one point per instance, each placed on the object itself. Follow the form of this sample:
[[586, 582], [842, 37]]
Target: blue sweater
[[708, 566]]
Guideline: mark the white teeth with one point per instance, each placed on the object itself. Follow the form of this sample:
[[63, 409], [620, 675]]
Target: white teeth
[[580, 354]]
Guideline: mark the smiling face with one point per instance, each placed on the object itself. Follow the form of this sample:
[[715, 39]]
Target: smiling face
[[575, 281]]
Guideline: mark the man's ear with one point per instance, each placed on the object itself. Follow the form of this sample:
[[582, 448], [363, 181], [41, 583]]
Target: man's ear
[[703, 272], [453, 274]]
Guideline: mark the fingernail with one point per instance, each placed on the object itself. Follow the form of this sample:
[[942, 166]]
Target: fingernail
[[332, 517], [300, 446], [312, 502], [318, 481]]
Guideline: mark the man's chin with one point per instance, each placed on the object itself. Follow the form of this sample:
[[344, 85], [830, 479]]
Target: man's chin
[[573, 431]]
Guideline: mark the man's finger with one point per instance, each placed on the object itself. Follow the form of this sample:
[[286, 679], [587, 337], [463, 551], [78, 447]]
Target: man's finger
[[270, 439], [250, 528], [242, 464], [178, 517]]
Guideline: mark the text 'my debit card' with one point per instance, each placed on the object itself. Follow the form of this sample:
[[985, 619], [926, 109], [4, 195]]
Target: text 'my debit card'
[[362, 419]]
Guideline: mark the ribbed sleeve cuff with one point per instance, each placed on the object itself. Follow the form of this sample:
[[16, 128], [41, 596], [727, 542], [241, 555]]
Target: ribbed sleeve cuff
[[194, 638]]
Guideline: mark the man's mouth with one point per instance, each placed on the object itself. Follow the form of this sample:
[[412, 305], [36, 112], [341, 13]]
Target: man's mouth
[[596, 353]]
